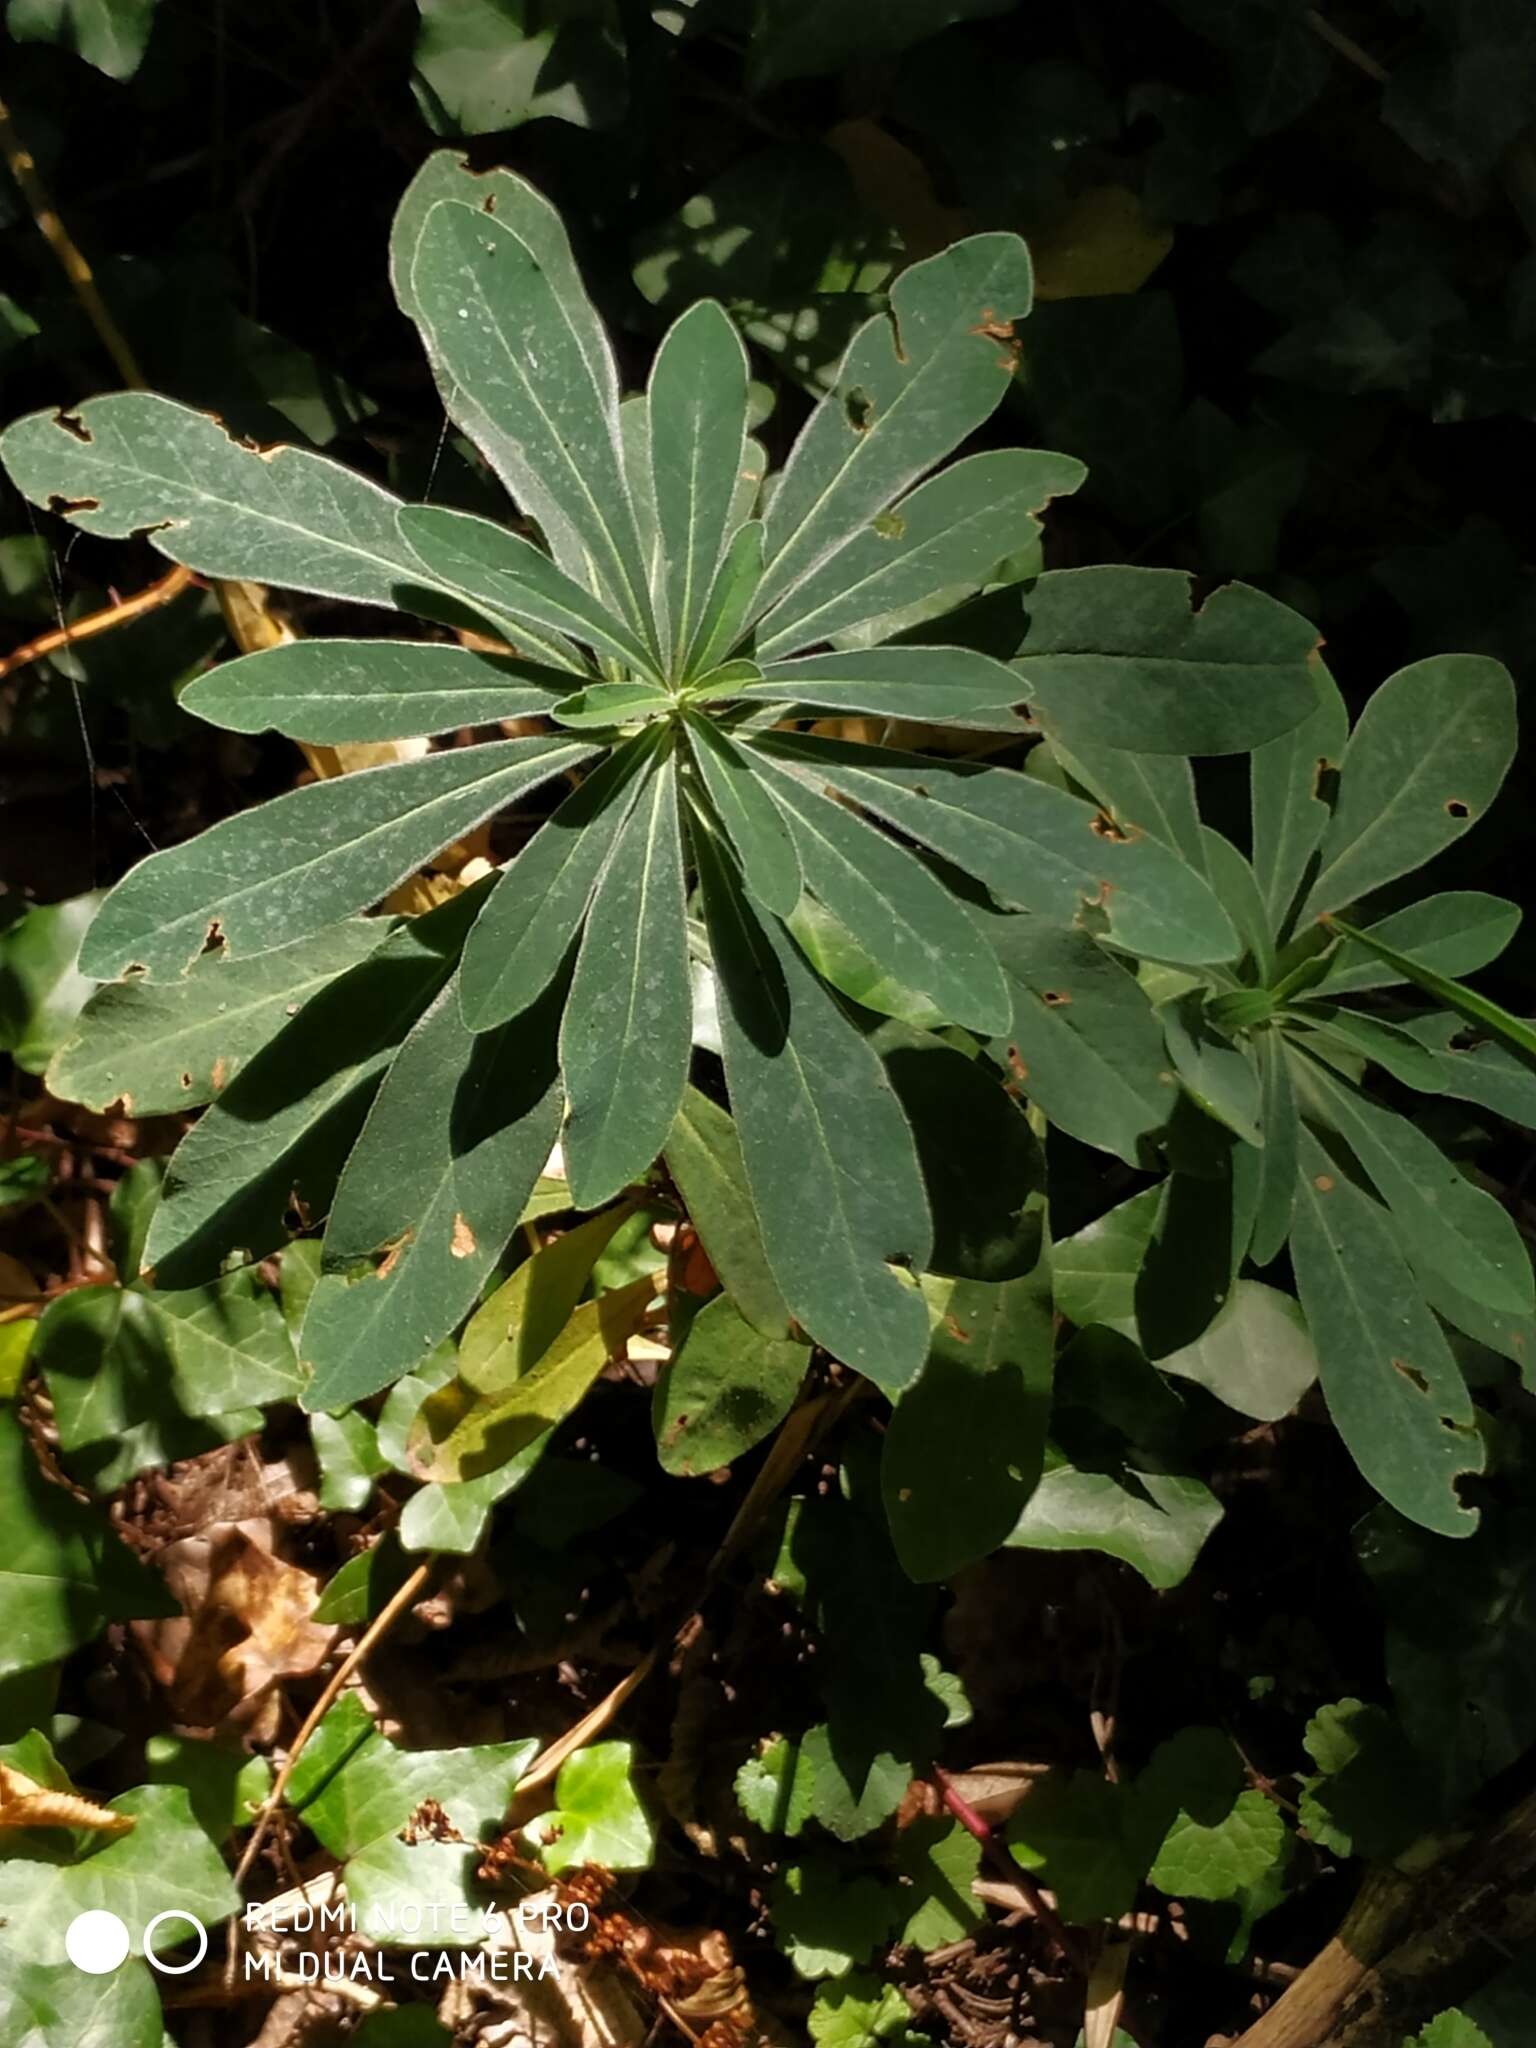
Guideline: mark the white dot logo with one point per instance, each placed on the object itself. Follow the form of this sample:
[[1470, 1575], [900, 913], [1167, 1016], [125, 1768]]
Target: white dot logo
[[96, 1942]]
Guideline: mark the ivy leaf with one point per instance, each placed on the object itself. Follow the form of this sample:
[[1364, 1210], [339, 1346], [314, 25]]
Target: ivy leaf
[[826, 1922], [1402, 801], [42, 987], [46, 2005], [265, 878], [597, 1815], [347, 1450], [333, 692], [1215, 1839], [1156, 1522], [966, 1443], [1256, 1355], [1393, 1388], [111, 34], [162, 1047], [164, 1862], [360, 1788], [725, 1390], [437, 1180], [1116, 657], [777, 1789], [828, 1157], [484, 66], [64, 1574], [1075, 1830]]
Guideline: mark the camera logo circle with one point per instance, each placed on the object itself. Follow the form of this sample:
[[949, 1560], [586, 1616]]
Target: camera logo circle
[[98, 1942]]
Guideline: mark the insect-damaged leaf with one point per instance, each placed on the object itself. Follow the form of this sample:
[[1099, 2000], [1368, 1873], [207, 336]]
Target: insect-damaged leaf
[[1423, 763], [1115, 656], [265, 878], [909, 390], [1394, 1391], [1032, 844], [132, 461]]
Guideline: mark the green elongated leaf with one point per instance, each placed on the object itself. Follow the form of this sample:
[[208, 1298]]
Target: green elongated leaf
[[752, 821], [107, 1351], [1514, 1032], [1156, 1522], [852, 970], [730, 599], [1256, 1355], [42, 989], [904, 916], [63, 1573], [334, 691], [288, 1119], [1275, 1195], [1084, 1041], [159, 1047], [954, 529], [1151, 792], [1220, 1074], [1393, 1388], [1034, 845], [935, 685], [1423, 763], [1116, 657], [517, 337], [698, 421], [132, 461], [460, 1434], [451, 1148], [627, 1033], [1487, 1074], [511, 1332], [516, 584], [1290, 792], [524, 932], [270, 876], [726, 1389], [704, 1158], [605, 704], [1235, 883], [910, 388], [828, 1157], [1096, 1267], [966, 1445], [1454, 1227], [1373, 1038], [1454, 933]]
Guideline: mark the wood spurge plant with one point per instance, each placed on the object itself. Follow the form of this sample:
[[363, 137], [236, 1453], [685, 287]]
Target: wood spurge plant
[[808, 1153]]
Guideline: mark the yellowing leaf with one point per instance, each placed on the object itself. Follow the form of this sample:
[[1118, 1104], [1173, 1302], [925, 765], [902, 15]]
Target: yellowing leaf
[[460, 1434], [1104, 245]]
